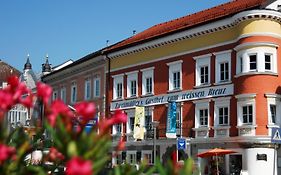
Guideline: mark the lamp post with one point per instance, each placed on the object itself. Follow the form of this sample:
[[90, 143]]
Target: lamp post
[[154, 125]]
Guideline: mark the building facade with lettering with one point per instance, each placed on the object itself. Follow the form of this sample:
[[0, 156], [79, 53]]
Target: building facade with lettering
[[221, 66], [81, 80]]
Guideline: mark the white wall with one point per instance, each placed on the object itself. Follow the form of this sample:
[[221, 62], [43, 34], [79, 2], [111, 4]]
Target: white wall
[[259, 167]]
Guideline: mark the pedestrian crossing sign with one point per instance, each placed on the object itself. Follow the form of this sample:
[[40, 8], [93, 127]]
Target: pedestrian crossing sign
[[275, 135]]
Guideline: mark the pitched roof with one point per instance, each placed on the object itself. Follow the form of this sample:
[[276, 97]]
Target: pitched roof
[[187, 22], [7, 70]]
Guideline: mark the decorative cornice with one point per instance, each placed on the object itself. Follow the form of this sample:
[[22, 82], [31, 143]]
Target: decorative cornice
[[201, 30]]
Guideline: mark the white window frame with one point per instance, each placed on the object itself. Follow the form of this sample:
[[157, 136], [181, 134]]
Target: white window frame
[[245, 100], [134, 153], [116, 80], [63, 94], [97, 88], [72, 97], [223, 57], [175, 67], [202, 61], [273, 99], [201, 105], [147, 152], [55, 95], [221, 103], [87, 90], [114, 129], [130, 115], [261, 49], [132, 76], [147, 73]]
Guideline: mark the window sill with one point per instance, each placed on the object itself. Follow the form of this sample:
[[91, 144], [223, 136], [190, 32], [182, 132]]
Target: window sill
[[201, 86], [272, 126], [147, 95], [201, 128], [246, 126], [117, 99], [223, 82], [255, 73], [174, 90], [221, 127], [133, 97]]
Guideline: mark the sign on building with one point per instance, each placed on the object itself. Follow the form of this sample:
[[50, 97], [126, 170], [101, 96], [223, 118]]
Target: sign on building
[[181, 144], [275, 135]]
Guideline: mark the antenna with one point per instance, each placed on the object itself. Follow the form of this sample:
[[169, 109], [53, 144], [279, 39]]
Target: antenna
[[107, 43], [134, 32]]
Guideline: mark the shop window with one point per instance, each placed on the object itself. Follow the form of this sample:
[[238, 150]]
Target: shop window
[[175, 75], [147, 81], [202, 70], [147, 156], [131, 157]]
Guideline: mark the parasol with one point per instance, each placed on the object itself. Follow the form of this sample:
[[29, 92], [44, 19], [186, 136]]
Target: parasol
[[215, 152]]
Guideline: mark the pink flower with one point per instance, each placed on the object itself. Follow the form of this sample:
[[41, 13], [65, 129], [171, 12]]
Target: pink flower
[[20, 91], [6, 152], [121, 145], [54, 154], [118, 117], [58, 108], [78, 166], [86, 110], [44, 91], [13, 81], [27, 101], [6, 100]]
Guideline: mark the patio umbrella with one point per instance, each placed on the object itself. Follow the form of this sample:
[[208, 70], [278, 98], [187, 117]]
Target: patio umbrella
[[215, 152]]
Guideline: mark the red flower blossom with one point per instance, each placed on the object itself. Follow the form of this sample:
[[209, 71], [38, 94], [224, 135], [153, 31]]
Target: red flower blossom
[[121, 145], [118, 117], [78, 166], [27, 101], [20, 91], [58, 108], [6, 100], [13, 81], [86, 110], [44, 91], [54, 154], [6, 152]]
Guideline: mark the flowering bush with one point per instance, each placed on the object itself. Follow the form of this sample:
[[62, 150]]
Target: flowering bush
[[72, 150]]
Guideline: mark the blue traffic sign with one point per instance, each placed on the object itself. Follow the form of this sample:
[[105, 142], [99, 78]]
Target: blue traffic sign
[[275, 135], [181, 144]]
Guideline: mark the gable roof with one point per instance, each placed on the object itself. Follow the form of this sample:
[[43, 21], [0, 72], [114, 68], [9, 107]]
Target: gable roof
[[6, 71], [187, 22]]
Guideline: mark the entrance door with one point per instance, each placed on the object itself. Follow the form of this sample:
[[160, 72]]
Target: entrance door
[[235, 164]]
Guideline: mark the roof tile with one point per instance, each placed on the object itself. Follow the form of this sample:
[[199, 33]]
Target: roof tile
[[188, 21]]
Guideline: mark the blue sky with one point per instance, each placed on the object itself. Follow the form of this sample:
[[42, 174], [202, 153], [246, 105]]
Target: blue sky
[[71, 29]]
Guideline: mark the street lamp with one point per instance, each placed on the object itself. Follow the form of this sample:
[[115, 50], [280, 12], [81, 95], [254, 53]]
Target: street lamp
[[154, 125]]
